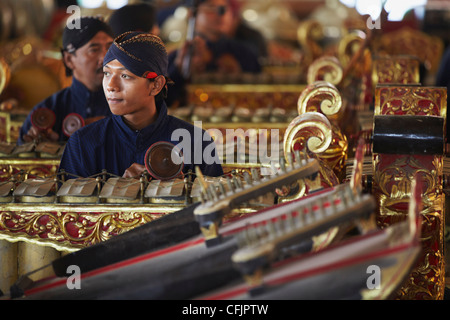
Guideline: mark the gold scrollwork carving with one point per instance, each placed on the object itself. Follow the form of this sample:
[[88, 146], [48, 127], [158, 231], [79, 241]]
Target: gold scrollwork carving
[[308, 35], [71, 230], [394, 182], [427, 48], [311, 130], [323, 97], [5, 74], [320, 96], [396, 69], [327, 68], [349, 46], [426, 279], [27, 166]]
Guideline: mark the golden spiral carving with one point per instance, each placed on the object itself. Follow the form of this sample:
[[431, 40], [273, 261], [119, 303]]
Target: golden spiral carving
[[309, 30], [320, 96], [327, 68], [311, 130], [5, 74], [349, 46], [308, 34]]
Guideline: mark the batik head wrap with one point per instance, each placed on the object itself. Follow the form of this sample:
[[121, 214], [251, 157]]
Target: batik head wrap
[[80, 31], [141, 53]]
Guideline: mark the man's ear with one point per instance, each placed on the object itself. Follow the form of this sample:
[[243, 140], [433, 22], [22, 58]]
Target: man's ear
[[159, 83], [67, 57]]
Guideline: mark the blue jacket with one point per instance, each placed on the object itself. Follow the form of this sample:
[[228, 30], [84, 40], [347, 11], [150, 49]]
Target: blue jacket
[[111, 145], [73, 99]]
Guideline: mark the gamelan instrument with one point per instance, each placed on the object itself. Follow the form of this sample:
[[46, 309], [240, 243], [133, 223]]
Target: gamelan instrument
[[177, 226], [191, 267], [163, 160], [71, 123], [340, 271], [169, 229], [262, 243], [43, 119]]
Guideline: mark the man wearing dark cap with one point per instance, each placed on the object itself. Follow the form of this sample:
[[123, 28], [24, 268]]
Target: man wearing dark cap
[[134, 17], [135, 83], [84, 48]]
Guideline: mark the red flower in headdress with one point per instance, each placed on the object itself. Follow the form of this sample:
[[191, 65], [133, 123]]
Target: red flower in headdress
[[150, 75]]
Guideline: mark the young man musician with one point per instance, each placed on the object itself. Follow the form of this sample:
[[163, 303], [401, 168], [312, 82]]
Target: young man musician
[[135, 82]]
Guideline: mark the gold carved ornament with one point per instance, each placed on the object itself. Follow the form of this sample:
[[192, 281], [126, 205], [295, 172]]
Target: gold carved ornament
[[324, 98], [5, 75], [320, 96], [396, 70], [392, 186], [309, 33], [351, 45], [22, 168], [394, 183], [56, 227], [410, 100], [356, 60], [393, 190], [326, 68], [427, 48], [311, 132]]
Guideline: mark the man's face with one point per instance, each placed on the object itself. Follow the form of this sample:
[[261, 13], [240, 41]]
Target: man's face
[[126, 93], [87, 61], [214, 19]]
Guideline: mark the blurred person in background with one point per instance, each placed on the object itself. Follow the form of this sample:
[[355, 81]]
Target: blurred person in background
[[214, 48], [83, 51], [134, 17]]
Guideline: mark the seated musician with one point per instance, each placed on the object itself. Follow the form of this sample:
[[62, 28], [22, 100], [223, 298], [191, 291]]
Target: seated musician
[[215, 48], [84, 48], [135, 83]]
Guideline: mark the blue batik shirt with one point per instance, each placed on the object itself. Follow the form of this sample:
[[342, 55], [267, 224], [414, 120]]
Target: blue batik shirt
[[111, 145], [74, 99]]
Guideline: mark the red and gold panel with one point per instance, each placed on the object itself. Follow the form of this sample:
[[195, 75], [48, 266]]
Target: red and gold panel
[[427, 48], [393, 174], [71, 227], [41, 167], [396, 70], [252, 96], [410, 100]]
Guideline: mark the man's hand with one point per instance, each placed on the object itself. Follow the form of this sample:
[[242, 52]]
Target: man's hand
[[43, 135], [134, 170]]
